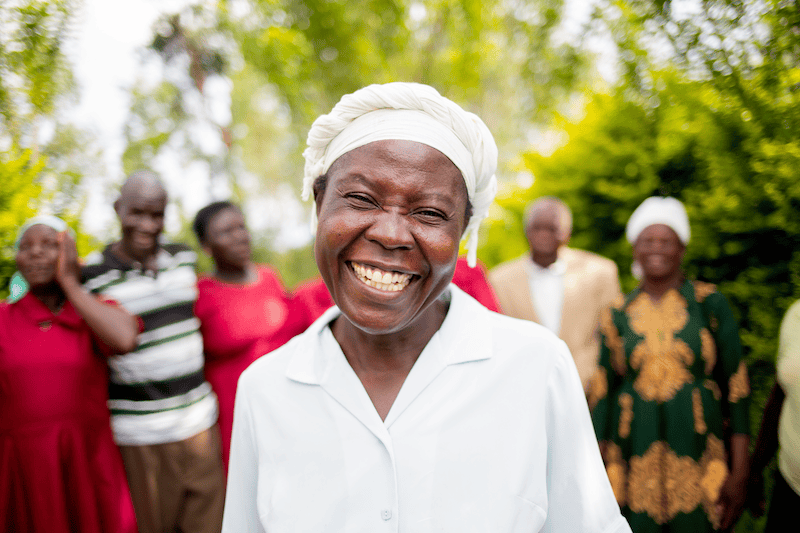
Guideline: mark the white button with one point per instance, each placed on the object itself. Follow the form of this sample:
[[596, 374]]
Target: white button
[[386, 514]]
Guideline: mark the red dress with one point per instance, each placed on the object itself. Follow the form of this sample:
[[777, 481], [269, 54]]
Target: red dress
[[60, 470], [313, 296], [240, 323]]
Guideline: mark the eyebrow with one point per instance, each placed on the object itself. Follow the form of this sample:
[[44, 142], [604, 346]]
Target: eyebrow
[[357, 176]]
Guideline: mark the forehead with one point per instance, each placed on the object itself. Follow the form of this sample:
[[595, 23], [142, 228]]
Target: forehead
[[39, 231], [145, 197], [224, 216], [659, 231], [401, 163], [546, 213]]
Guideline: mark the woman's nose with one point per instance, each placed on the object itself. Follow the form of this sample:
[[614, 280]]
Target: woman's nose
[[391, 230]]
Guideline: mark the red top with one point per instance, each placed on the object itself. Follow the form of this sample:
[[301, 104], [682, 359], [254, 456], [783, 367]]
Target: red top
[[240, 323], [61, 471], [314, 298]]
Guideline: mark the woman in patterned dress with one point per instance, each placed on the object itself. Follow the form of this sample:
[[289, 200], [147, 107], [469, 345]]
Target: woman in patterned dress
[[671, 381]]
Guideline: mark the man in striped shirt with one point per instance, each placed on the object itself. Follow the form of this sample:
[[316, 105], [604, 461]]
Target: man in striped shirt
[[163, 412]]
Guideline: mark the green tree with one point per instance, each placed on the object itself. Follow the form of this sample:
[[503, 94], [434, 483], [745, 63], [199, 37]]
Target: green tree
[[37, 171]]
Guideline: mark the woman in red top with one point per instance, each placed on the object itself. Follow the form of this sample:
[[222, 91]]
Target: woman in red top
[[60, 470], [243, 308]]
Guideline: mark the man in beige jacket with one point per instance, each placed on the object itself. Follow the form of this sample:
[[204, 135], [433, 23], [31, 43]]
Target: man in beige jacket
[[562, 288]]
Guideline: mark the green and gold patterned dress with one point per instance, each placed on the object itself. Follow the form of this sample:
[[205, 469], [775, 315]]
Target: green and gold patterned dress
[[670, 372]]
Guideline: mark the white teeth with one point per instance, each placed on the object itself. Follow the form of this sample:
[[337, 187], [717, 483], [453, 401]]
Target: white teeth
[[384, 281]]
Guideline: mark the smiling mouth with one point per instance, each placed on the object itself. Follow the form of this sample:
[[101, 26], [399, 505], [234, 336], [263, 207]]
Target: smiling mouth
[[381, 280]]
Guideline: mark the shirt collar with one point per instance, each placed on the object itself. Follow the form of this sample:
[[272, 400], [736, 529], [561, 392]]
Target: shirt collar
[[464, 337], [557, 268]]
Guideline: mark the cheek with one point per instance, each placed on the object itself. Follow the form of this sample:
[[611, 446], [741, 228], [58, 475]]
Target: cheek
[[442, 248]]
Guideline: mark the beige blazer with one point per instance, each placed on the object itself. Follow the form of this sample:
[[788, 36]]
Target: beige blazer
[[591, 284]]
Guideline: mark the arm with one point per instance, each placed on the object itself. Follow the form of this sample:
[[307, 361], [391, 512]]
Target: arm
[[113, 325], [766, 446], [731, 374], [580, 498], [241, 506], [730, 503], [603, 382]]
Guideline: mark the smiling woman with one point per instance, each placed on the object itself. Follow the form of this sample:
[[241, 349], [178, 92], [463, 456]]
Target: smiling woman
[[410, 406], [671, 377], [61, 470]]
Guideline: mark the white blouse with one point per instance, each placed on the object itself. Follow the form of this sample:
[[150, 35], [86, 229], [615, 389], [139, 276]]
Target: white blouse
[[489, 433]]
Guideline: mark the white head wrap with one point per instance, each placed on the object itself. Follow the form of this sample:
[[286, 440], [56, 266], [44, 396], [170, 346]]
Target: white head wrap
[[408, 112], [45, 220], [659, 210]]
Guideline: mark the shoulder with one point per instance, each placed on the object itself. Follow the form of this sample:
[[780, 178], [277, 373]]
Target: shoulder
[[180, 253], [98, 270], [269, 277], [588, 260], [790, 324], [519, 342], [703, 290], [176, 247], [268, 373]]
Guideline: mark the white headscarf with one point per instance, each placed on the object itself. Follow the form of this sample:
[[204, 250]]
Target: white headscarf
[[659, 210], [45, 220], [409, 112]]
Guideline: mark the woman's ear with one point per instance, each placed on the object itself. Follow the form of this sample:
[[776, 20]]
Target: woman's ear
[[319, 190]]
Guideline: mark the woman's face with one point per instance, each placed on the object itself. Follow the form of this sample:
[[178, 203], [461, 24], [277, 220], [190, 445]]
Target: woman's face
[[38, 255], [659, 251], [227, 239], [390, 221]]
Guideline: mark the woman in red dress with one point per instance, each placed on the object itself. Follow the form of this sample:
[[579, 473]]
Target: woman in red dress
[[243, 308], [60, 470]]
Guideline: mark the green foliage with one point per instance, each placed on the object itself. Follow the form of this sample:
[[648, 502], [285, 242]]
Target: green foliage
[[18, 173], [33, 71]]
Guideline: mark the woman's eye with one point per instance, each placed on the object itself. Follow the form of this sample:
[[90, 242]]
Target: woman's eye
[[360, 199], [431, 214]]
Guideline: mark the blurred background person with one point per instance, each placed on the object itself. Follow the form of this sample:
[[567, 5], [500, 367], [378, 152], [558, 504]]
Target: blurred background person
[[163, 411], [671, 378], [564, 289], [60, 469], [780, 430], [243, 308], [313, 296]]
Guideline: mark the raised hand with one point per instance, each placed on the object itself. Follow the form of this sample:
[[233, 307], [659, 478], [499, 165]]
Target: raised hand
[[68, 271]]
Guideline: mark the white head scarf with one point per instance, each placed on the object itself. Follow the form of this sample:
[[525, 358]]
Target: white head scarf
[[659, 210], [408, 112], [45, 220]]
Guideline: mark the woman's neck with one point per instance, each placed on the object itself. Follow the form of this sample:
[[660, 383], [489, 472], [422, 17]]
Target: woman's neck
[[392, 352], [236, 275], [657, 287], [50, 295]]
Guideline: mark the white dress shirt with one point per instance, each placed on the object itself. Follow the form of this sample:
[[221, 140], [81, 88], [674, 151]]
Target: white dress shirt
[[547, 293], [788, 370], [489, 433]]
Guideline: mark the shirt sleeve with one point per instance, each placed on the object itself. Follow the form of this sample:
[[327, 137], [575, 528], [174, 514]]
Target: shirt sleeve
[[605, 379], [730, 370], [789, 343], [580, 499], [241, 497]]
